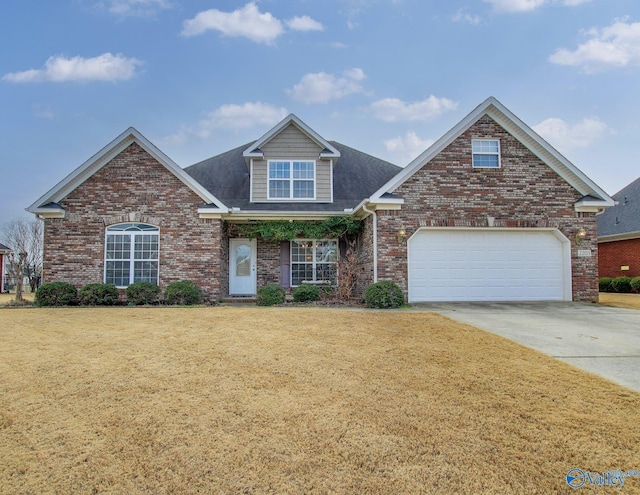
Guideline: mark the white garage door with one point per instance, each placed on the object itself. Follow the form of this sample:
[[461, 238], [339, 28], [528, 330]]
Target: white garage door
[[488, 265]]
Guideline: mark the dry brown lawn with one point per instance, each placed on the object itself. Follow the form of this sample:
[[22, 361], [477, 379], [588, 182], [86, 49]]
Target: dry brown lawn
[[631, 301], [294, 400]]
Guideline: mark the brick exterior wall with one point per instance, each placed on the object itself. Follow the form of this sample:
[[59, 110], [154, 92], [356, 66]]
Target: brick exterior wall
[[524, 192], [616, 254], [365, 266], [133, 186], [268, 260]]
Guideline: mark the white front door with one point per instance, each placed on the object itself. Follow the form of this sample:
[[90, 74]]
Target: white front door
[[242, 266]]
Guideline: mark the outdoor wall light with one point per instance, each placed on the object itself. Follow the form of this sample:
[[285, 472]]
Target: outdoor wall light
[[402, 234], [581, 235]]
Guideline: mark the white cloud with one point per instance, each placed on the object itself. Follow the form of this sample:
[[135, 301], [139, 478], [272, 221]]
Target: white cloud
[[338, 44], [615, 46], [247, 22], [463, 16], [567, 137], [405, 148], [304, 23], [395, 110], [320, 87], [244, 116], [139, 8], [512, 6], [516, 5], [229, 117], [105, 67]]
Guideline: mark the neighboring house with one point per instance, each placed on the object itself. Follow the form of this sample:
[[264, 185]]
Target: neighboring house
[[619, 235], [4, 251], [489, 212]]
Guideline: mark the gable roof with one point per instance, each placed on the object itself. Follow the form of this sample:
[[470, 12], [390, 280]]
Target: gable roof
[[623, 219], [594, 196], [226, 177], [47, 205], [4, 249], [254, 149]]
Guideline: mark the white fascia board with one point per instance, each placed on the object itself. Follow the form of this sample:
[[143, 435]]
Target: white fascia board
[[210, 213], [250, 152], [102, 157], [627, 236], [49, 212], [503, 116], [247, 215], [590, 205]]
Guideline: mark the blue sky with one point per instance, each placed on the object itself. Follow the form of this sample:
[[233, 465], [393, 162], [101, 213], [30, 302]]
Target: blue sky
[[388, 77]]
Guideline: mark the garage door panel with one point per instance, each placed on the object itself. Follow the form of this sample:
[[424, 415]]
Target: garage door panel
[[487, 265]]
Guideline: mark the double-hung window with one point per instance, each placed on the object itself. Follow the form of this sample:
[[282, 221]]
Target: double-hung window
[[293, 179], [131, 254], [314, 261], [486, 153]]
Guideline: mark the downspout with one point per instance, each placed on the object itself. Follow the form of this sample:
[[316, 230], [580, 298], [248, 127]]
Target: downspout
[[375, 241]]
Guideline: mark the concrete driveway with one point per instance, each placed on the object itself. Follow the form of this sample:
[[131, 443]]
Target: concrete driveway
[[599, 339]]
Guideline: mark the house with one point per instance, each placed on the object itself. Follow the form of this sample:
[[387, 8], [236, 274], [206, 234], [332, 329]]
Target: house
[[4, 251], [489, 212], [619, 235]]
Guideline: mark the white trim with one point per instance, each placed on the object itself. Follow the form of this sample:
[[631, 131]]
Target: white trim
[[375, 240], [567, 291], [627, 236], [485, 153], [331, 177], [590, 205], [233, 242], [247, 215], [251, 179], [291, 180], [251, 152], [518, 129], [132, 260], [313, 262], [49, 212], [102, 157]]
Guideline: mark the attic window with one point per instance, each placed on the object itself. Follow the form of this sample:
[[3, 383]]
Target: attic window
[[486, 153], [293, 179]]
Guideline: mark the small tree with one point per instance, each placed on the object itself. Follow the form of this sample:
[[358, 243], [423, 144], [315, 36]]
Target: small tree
[[25, 239], [347, 278]]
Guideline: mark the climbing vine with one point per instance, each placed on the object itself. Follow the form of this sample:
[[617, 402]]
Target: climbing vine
[[286, 230]]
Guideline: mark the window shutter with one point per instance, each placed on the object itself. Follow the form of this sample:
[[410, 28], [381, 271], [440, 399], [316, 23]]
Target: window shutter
[[285, 264]]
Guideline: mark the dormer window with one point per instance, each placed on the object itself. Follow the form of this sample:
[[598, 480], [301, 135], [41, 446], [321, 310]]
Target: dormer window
[[486, 153], [292, 179]]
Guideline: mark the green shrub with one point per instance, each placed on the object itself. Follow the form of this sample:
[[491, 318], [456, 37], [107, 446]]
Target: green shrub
[[56, 294], [142, 293], [384, 295], [621, 284], [98, 295], [605, 284], [270, 294], [184, 292], [306, 293], [635, 285]]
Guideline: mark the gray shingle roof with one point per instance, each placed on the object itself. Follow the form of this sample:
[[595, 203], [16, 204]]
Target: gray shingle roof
[[4, 248], [356, 176], [624, 217]]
